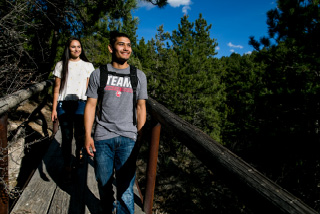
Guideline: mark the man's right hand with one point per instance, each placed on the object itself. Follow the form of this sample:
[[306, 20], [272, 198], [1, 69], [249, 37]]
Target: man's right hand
[[89, 113], [89, 145]]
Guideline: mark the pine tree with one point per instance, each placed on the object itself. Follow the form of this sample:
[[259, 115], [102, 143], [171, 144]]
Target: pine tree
[[244, 86], [160, 65], [96, 38], [198, 81], [288, 110], [292, 76], [40, 28]]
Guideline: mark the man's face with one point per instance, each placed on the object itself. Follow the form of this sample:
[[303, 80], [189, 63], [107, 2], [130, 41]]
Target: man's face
[[121, 49]]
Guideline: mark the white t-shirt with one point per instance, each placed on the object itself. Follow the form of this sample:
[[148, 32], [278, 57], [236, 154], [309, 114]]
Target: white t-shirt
[[76, 84]]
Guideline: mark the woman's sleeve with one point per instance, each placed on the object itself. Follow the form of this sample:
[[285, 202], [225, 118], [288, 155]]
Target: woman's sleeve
[[90, 69], [57, 70]]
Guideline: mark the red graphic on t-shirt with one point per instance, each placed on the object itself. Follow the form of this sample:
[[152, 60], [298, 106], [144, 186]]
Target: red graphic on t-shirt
[[118, 89], [118, 93]]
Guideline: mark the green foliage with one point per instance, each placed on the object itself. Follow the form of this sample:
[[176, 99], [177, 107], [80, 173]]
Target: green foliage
[[198, 82], [292, 65], [44, 26], [273, 98], [182, 74], [244, 85]]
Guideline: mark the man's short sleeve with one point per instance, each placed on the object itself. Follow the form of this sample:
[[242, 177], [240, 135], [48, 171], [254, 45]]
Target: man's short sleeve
[[94, 82], [143, 94]]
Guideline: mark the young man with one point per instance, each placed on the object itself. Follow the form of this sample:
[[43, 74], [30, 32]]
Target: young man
[[116, 131]]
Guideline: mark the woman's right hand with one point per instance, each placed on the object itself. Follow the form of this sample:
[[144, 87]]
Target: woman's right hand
[[56, 89]]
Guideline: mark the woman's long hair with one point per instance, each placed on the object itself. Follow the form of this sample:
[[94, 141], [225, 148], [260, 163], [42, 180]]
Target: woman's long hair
[[65, 60]]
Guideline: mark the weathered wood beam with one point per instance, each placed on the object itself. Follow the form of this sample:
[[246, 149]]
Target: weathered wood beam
[[4, 196], [232, 167], [18, 97]]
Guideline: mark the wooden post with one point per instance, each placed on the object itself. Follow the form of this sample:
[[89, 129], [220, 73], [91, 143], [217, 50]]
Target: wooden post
[[152, 169], [4, 198]]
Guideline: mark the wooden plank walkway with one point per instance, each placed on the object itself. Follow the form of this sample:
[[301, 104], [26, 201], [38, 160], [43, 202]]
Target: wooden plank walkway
[[47, 193]]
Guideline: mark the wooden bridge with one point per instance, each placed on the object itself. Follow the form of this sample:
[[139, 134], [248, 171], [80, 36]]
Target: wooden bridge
[[48, 193], [45, 193]]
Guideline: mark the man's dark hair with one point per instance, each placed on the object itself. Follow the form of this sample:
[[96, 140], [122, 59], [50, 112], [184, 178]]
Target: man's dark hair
[[114, 35]]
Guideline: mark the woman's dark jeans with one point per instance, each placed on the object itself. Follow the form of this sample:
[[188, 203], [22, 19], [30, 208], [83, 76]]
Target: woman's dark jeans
[[70, 116]]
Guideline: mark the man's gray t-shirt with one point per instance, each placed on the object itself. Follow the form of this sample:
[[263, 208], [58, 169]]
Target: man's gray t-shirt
[[117, 107]]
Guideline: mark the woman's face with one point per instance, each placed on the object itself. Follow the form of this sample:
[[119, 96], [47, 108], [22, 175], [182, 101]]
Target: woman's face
[[75, 49]]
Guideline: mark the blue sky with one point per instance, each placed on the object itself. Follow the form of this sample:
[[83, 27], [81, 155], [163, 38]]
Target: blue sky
[[233, 21]]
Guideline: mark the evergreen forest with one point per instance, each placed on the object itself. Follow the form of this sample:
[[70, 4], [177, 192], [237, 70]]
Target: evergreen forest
[[263, 106]]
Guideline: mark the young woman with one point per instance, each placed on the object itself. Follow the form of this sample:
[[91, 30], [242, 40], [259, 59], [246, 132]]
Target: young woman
[[69, 100]]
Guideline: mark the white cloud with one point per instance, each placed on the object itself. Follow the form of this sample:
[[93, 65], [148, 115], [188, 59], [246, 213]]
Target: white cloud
[[185, 9], [232, 50], [147, 5], [249, 52], [178, 3], [217, 48], [234, 46], [173, 3]]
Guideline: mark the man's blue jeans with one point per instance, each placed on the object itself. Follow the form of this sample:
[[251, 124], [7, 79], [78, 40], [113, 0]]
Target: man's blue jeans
[[116, 154]]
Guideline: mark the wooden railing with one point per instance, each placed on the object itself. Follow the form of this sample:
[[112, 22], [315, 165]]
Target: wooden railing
[[6, 104], [267, 195]]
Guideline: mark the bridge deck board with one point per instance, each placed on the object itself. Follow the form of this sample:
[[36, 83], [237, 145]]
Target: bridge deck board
[[47, 193]]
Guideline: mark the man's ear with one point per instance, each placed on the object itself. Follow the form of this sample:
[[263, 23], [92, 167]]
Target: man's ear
[[110, 48]]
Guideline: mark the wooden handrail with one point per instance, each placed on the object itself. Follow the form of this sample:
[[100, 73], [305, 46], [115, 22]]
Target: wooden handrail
[[218, 158], [7, 103], [4, 197], [18, 97]]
